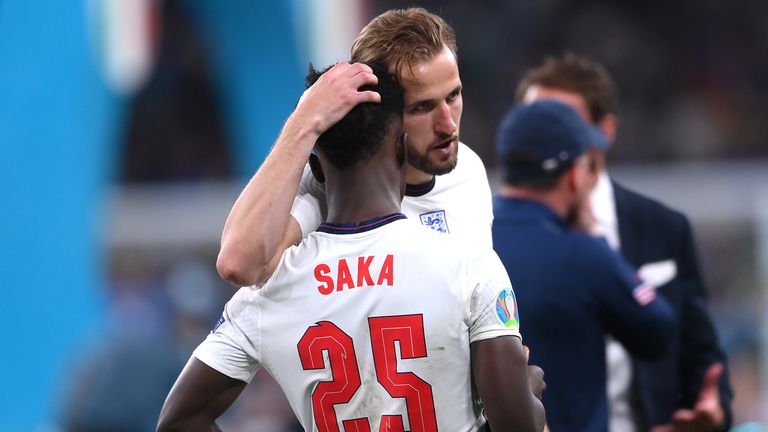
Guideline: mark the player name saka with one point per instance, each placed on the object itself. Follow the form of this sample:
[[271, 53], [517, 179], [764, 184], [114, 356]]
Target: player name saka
[[342, 276]]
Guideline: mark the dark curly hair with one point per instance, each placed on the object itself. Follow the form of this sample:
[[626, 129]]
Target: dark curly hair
[[358, 136]]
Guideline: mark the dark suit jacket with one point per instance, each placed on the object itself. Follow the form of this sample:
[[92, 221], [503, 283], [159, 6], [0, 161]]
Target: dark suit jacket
[[650, 232]]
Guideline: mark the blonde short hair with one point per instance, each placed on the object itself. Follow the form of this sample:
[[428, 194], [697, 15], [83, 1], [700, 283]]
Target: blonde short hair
[[403, 37]]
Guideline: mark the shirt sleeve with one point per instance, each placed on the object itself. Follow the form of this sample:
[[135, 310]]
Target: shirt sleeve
[[227, 348], [492, 305], [309, 206]]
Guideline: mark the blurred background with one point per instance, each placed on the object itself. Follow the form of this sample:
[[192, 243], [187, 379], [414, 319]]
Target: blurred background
[[127, 129]]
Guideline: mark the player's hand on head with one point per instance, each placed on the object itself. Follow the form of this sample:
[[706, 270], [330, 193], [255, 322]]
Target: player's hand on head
[[335, 93]]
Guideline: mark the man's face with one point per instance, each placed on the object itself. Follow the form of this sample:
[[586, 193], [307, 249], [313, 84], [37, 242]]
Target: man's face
[[432, 113]]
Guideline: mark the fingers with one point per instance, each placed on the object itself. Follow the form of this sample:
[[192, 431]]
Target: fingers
[[684, 416], [335, 93], [712, 378], [363, 76], [536, 380], [353, 75], [527, 352]]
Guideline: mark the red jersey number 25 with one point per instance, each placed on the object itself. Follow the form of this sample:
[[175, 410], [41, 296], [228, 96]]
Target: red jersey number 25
[[408, 330]]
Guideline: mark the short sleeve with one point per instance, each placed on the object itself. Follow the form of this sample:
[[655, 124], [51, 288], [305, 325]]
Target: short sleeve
[[493, 307], [309, 205], [226, 349]]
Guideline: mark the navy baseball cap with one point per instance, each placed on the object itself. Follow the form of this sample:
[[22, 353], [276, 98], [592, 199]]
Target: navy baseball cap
[[542, 139]]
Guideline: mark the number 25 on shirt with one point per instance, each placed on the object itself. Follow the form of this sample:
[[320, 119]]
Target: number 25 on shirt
[[408, 330]]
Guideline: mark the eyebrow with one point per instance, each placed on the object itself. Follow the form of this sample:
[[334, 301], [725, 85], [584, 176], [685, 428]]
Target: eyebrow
[[456, 89]]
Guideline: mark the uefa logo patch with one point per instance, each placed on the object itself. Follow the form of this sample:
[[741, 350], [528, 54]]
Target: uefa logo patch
[[506, 308], [435, 220]]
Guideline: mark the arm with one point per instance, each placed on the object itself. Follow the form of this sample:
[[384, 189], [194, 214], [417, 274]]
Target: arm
[[500, 370], [640, 318], [259, 226], [199, 396]]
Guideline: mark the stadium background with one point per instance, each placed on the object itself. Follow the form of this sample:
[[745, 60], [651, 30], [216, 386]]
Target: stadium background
[[128, 128]]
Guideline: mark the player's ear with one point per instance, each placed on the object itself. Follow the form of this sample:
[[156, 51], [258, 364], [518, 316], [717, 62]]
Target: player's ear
[[608, 125], [401, 152], [317, 170]]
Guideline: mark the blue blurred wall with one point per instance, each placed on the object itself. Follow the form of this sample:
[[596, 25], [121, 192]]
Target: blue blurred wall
[[59, 133], [258, 71], [57, 129]]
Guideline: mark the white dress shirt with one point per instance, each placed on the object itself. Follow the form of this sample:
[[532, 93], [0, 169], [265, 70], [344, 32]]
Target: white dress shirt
[[618, 362]]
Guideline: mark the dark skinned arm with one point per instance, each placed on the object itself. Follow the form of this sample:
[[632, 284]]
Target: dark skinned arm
[[500, 371], [199, 396]]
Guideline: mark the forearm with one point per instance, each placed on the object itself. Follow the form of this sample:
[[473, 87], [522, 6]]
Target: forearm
[[500, 372], [258, 221]]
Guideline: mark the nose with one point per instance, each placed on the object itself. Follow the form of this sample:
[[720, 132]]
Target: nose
[[444, 123]]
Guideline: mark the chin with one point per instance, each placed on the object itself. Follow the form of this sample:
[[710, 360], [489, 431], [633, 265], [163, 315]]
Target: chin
[[440, 166], [443, 167]]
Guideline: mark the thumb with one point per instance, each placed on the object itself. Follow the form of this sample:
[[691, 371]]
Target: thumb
[[709, 387], [684, 415]]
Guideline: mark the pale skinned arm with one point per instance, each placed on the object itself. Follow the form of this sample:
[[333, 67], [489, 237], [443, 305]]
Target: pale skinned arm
[[259, 226], [500, 370]]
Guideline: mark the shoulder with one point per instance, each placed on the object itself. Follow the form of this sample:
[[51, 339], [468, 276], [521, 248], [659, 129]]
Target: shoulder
[[469, 160], [629, 202], [592, 252], [468, 177]]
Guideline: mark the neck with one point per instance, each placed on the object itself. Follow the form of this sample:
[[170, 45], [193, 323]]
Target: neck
[[552, 198], [372, 184]]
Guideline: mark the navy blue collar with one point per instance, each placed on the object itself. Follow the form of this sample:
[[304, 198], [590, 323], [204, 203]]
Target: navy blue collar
[[521, 206], [358, 227], [418, 190]]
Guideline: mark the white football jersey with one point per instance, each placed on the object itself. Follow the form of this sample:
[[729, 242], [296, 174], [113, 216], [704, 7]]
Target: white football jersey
[[368, 327], [458, 203]]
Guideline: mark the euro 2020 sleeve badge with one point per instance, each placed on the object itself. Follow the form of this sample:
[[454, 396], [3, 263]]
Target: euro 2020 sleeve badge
[[506, 308]]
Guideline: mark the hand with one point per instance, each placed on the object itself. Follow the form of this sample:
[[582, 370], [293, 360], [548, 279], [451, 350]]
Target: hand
[[707, 414], [535, 377], [335, 94], [582, 218]]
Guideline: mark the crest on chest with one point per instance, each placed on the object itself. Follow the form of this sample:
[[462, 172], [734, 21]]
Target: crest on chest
[[435, 220]]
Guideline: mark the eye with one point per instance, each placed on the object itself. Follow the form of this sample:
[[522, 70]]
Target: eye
[[454, 95], [422, 107]]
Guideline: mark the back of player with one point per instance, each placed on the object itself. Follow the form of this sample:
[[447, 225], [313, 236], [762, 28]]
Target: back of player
[[371, 322], [376, 330]]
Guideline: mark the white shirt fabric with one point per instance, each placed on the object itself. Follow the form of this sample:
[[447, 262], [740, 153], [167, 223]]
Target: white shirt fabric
[[460, 203], [618, 362], [461, 299]]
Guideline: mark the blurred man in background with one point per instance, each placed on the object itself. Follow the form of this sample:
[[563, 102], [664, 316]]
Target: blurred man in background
[[447, 189], [572, 288], [688, 389], [392, 338]]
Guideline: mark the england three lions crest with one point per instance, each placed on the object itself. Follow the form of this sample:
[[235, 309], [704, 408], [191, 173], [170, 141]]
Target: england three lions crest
[[435, 220]]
